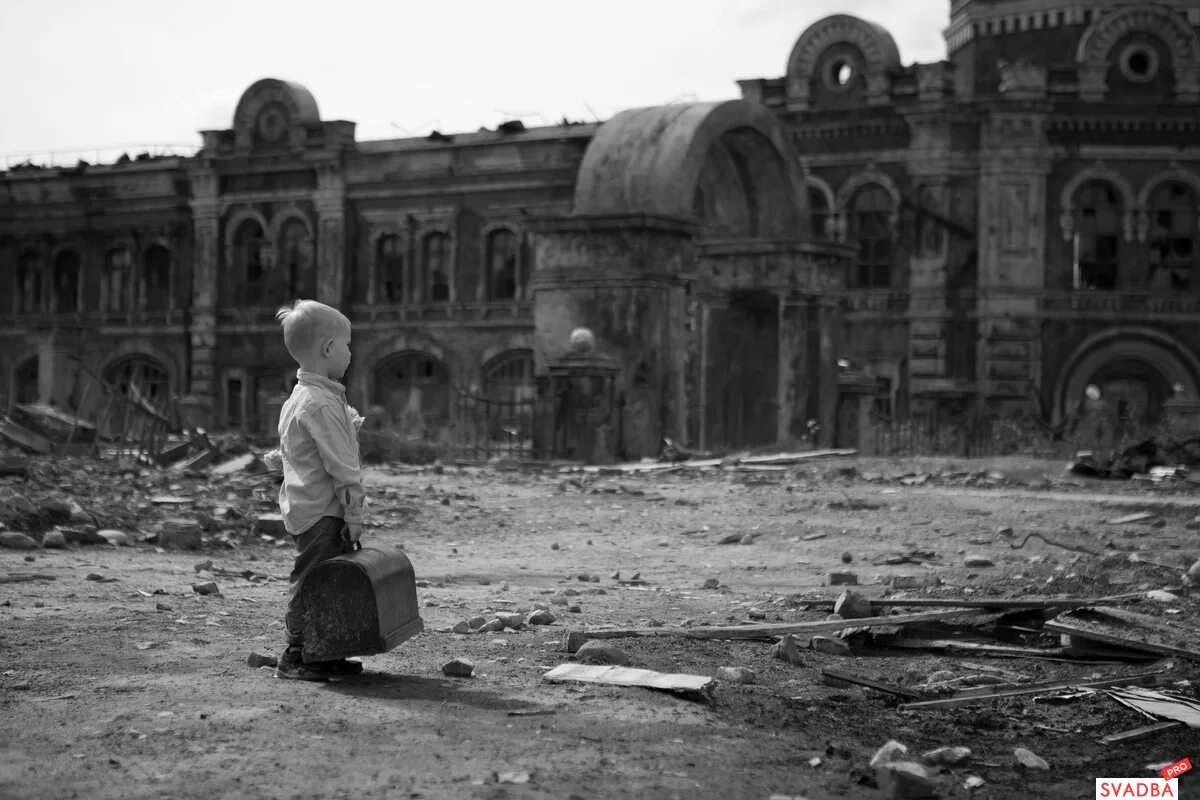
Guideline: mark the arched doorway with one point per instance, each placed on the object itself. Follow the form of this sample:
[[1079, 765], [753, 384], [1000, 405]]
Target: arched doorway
[[1136, 371], [414, 390], [139, 377]]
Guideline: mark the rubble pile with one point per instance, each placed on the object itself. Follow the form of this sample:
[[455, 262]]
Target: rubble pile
[[61, 501]]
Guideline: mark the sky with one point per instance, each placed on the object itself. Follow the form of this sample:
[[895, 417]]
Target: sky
[[83, 76]]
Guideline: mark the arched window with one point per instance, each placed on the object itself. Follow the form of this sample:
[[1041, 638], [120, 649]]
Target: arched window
[[139, 377], [818, 212], [414, 389], [508, 378], [296, 262], [504, 280], [248, 271], [1174, 218], [435, 258], [871, 229], [66, 282], [155, 287], [118, 269], [389, 269], [29, 283], [1097, 236]]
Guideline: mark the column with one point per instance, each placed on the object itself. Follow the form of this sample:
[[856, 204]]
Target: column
[[206, 232], [330, 201]]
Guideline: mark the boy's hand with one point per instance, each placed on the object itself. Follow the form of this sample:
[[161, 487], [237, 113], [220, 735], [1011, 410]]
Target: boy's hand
[[353, 532]]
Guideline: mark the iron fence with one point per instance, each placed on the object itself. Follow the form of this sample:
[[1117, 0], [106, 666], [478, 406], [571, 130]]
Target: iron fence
[[488, 427]]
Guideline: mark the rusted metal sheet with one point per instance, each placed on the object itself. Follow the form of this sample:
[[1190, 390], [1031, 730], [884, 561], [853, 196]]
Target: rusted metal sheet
[[359, 604]]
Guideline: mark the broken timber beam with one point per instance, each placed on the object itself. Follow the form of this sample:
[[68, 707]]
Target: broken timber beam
[[773, 630], [1137, 734], [998, 603], [1128, 629], [887, 688], [972, 696]]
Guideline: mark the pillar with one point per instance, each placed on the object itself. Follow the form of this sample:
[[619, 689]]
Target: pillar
[[206, 232]]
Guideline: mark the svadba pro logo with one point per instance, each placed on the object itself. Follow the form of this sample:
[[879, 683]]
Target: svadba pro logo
[[1137, 788]]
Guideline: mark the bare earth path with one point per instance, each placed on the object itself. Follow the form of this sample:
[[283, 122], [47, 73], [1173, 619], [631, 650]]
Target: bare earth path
[[135, 686]]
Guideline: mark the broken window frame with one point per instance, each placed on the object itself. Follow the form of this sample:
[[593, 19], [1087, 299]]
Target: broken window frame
[[116, 287], [388, 277], [1096, 244], [30, 280], [296, 259], [156, 284], [502, 259], [871, 213], [818, 213], [435, 260], [1173, 256], [247, 272], [66, 291]]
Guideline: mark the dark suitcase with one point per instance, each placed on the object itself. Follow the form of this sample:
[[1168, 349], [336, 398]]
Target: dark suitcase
[[359, 604]]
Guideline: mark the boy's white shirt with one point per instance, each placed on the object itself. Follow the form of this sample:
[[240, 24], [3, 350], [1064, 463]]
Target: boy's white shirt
[[318, 445]]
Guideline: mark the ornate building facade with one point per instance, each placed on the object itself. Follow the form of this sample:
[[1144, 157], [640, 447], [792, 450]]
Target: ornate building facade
[[1003, 229]]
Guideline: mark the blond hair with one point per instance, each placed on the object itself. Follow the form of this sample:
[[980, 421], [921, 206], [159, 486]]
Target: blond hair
[[307, 324]]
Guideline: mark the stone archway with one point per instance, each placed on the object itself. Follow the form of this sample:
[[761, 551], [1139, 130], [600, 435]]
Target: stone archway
[[690, 235], [1137, 367], [655, 161]]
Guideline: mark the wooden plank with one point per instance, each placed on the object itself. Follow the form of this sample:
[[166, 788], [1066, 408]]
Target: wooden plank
[[25, 577], [773, 630], [1014, 603], [887, 688], [628, 676], [964, 698], [1137, 734], [1127, 629], [1062, 654], [1139, 516]]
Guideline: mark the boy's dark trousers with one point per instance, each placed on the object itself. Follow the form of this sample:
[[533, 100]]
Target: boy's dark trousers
[[321, 542]]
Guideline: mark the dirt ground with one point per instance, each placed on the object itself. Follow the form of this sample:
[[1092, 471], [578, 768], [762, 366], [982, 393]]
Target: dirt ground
[[135, 686]]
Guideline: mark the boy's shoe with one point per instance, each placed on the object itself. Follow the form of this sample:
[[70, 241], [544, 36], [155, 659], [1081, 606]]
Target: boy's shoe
[[343, 666], [291, 666]]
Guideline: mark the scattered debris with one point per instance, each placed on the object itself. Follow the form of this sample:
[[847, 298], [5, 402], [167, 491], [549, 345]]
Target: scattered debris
[[787, 650], [1128, 629], [1159, 704], [947, 756], [740, 675], [14, 540], [1137, 734], [1140, 516], [852, 605], [696, 686], [29, 577], [601, 653], [772, 630], [459, 668], [206, 588], [972, 696], [1030, 759]]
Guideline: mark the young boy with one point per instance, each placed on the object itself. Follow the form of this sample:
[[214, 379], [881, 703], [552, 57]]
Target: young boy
[[322, 498]]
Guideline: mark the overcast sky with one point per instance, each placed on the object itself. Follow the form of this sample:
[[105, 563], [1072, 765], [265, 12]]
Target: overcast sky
[[84, 74]]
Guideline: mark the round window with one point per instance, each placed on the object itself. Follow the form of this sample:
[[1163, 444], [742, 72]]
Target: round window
[[839, 72], [1139, 63]]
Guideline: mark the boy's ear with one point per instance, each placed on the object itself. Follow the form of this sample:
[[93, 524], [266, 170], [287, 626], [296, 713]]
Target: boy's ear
[[326, 347]]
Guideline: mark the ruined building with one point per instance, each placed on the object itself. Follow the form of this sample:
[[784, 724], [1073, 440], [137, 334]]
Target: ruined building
[[1001, 229]]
